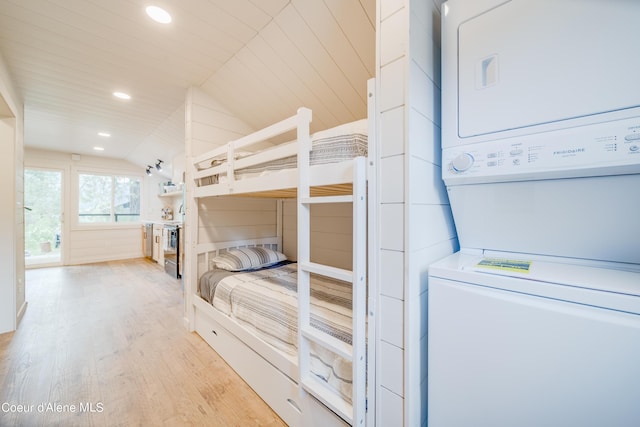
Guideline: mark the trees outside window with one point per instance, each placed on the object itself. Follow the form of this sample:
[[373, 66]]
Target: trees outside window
[[43, 211], [108, 198]]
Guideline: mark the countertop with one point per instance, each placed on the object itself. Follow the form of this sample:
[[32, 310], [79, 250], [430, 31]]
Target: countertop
[[163, 222]]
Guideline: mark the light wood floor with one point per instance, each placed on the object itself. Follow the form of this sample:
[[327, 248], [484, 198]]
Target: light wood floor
[[110, 335]]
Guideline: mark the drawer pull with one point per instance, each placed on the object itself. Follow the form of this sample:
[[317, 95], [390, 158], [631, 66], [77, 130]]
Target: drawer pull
[[294, 404], [214, 332]]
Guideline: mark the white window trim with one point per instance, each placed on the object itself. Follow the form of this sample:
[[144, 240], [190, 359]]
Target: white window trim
[[75, 198]]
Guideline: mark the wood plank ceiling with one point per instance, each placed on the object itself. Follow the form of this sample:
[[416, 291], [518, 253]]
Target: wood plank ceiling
[[261, 59]]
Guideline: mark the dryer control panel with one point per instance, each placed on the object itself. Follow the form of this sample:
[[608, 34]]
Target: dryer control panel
[[599, 149]]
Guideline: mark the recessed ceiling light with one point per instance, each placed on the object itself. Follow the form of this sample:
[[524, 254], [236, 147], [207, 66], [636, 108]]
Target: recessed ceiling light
[[158, 14], [121, 95], [104, 134], [98, 148]]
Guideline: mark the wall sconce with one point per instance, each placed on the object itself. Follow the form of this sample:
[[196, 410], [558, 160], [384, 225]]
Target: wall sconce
[[159, 165], [149, 168]]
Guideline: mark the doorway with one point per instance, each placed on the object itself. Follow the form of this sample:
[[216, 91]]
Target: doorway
[[43, 242]]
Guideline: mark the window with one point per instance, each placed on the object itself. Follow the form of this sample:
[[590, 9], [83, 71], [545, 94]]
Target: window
[[108, 199]]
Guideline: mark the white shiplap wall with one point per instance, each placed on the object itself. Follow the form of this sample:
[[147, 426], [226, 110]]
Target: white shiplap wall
[[165, 142], [316, 54], [67, 56], [224, 219], [416, 225], [12, 286], [331, 233], [207, 125], [21, 298], [8, 223], [261, 59]]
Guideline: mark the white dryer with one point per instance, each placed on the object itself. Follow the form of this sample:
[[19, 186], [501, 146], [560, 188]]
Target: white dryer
[[536, 321]]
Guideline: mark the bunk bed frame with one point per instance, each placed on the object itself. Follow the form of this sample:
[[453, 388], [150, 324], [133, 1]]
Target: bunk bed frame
[[285, 382]]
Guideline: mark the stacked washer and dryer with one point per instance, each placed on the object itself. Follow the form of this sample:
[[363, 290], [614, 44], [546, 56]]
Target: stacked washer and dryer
[[536, 320]]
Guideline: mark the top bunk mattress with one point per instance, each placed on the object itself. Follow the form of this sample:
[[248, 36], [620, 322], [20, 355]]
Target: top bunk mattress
[[338, 144]]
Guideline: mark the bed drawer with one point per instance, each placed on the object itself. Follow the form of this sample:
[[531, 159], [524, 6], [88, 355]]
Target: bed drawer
[[315, 414], [275, 388]]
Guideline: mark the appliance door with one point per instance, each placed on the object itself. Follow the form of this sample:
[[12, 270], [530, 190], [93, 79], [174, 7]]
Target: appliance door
[[499, 358], [171, 268], [170, 246], [170, 241], [537, 62]]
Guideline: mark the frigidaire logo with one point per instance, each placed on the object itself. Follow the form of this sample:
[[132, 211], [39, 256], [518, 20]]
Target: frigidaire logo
[[569, 151]]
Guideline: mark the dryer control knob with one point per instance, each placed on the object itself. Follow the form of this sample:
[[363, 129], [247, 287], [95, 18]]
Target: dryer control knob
[[462, 162]]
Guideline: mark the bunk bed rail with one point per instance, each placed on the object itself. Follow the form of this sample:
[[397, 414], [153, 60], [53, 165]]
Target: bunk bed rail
[[225, 159]]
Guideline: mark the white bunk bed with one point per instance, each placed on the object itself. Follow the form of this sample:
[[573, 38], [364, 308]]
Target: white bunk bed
[[288, 383]]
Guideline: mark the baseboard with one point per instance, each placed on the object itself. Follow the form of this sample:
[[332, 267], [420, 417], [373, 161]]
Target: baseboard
[[97, 260], [23, 309]]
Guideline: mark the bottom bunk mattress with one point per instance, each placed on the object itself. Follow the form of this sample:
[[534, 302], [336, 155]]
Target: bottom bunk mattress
[[265, 302]]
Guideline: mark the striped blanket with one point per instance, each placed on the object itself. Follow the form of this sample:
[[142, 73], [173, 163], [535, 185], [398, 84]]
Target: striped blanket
[[326, 150], [333, 145], [265, 302]]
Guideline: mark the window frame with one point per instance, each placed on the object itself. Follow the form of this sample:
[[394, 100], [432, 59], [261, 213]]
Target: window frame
[[112, 174]]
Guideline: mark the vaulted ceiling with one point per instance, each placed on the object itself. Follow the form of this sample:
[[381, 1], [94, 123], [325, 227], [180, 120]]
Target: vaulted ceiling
[[262, 59]]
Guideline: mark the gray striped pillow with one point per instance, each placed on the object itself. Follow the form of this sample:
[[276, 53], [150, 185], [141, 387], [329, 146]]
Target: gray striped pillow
[[242, 259]]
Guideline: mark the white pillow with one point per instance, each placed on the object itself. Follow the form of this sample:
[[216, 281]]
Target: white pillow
[[242, 259]]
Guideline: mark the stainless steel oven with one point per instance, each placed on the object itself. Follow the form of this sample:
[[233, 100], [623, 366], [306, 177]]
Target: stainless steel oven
[[172, 250]]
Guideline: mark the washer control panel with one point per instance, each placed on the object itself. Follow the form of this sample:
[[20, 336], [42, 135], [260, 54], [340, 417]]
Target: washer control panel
[[605, 148]]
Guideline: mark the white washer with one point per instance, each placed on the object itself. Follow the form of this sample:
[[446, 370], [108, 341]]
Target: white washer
[[536, 321], [552, 345]]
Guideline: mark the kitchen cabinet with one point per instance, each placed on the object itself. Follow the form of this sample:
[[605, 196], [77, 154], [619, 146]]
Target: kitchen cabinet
[[157, 252]]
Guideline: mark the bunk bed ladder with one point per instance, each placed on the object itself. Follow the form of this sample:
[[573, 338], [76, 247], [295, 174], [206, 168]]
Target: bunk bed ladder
[[353, 411]]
